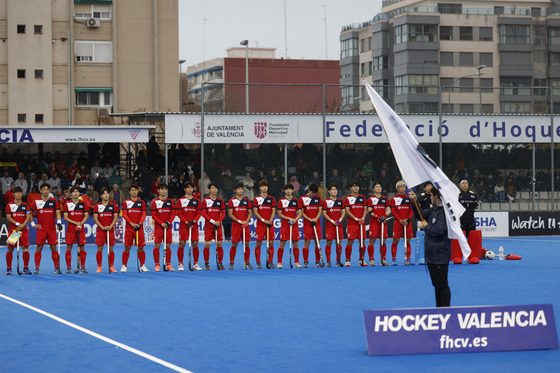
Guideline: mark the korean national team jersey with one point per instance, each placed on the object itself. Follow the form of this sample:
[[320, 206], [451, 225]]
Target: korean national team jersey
[[264, 206], [18, 212], [105, 213], [240, 207], [401, 207], [213, 209], [310, 205], [333, 208], [46, 212], [356, 205], [378, 205], [75, 211], [134, 210], [289, 207], [188, 209], [162, 210]]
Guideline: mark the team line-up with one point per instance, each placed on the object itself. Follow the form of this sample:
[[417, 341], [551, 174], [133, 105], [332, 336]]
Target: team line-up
[[310, 207]]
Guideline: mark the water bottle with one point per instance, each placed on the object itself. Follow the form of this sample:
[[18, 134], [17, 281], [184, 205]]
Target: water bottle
[[501, 253]]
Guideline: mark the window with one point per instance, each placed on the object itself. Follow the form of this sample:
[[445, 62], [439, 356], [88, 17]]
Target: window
[[539, 57], [538, 35], [365, 70], [446, 58], [445, 32], [465, 59], [554, 59], [516, 107], [536, 12], [486, 59], [94, 97], [449, 8], [100, 11], [21, 29], [554, 37], [487, 85], [94, 51], [416, 84], [515, 34], [401, 34], [422, 33], [466, 84], [382, 88], [498, 10], [349, 95], [485, 34], [466, 108], [21, 118], [446, 84], [38, 29], [422, 107], [21, 73], [38, 74], [365, 44], [348, 48], [539, 82], [38, 118], [465, 33], [381, 62], [487, 108], [516, 86]]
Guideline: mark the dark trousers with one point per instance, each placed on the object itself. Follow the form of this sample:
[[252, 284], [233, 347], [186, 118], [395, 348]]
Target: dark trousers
[[438, 274]]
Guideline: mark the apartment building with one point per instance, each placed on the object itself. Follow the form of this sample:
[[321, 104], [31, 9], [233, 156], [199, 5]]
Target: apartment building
[[472, 56], [72, 62]]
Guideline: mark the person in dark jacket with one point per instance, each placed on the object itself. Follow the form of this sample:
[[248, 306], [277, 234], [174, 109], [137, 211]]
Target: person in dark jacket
[[437, 249]]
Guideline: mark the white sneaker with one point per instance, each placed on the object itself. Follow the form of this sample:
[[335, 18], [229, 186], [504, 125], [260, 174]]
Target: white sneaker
[[144, 269], [372, 263], [123, 268], [279, 266], [297, 265], [196, 267], [181, 267]]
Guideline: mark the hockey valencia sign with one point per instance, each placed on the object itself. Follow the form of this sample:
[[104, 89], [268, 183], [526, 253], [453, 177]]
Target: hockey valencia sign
[[460, 329]]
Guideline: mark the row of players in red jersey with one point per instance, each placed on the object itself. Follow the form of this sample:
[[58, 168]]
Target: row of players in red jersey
[[189, 209]]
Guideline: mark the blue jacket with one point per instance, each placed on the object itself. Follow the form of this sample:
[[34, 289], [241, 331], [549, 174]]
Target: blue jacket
[[437, 245]]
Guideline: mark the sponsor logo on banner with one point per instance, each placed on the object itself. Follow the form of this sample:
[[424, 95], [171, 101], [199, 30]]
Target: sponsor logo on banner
[[534, 224], [460, 329], [197, 130], [134, 134], [260, 130], [492, 224]]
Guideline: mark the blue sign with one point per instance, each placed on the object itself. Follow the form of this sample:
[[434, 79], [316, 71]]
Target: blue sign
[[460, 329]]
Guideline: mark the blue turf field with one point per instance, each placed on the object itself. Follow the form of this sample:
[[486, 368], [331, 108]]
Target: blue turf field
[[260, 320]]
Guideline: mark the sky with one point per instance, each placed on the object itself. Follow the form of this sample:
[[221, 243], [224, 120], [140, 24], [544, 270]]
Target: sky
[[208, 27]]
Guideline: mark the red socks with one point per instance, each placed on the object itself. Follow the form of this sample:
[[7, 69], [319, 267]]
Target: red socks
[[220, 251], [83, 255], [111, 258], [247, 255], [280, 255], [258, 254], [26, 259], [99, 257], [168, 256], [37, 258], [270, 253], [232, 253], [9, 258], [328, 252], [142, 257], [206, 253], [180, 254], [338, 252], [156, 256], [306, 254], [348, 252], [68, 257], [196, 253], [125, 256], [394, 250], [296, 254]]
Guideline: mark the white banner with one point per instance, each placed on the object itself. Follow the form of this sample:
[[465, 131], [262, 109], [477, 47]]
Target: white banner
[[492, 224], [74, 134], [355, 128]]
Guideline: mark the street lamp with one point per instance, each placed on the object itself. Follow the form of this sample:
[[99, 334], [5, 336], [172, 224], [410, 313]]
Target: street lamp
[[246, 44], [480, 67], [181, 62]]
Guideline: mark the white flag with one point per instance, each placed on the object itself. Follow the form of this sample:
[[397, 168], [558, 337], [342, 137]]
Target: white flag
[[416, 166]]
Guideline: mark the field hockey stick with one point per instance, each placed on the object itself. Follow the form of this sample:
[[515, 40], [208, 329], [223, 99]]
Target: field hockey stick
[[165, 250], [404, 239], [18, 270], [381, 242], [338, 245], [137, 256], [319, 246], [291, 244], [362, 243], [267, 244], [216, 238], [243, 236], [108, 252], [190, 248], [58, 239], [78, 255]]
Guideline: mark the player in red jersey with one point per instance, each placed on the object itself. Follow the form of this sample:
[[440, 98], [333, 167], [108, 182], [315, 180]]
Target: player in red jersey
[[188, 211], [240, 211], [264, 209], [290, 213], [311, 207], [134, 213], [378, 211], [18, 214], [105, 215], [355, 206], [401, 208], [163, 213], [75, 212], [49, 221], [214, 212], [333, 213]]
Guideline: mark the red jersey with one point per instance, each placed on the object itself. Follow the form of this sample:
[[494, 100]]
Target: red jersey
[[163, 210], [401, 207], [134, 211], [289, 207], [46, 212], [105, 213], [357, 206], [264, 206], [76, 212], [240, 207], [333, 208], [378, 206], [188, 209], [310, 206], [213, 209], [18, 213]]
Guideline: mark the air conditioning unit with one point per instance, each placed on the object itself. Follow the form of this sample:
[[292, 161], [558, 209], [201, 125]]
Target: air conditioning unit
[[103, 112], [93, 23]]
